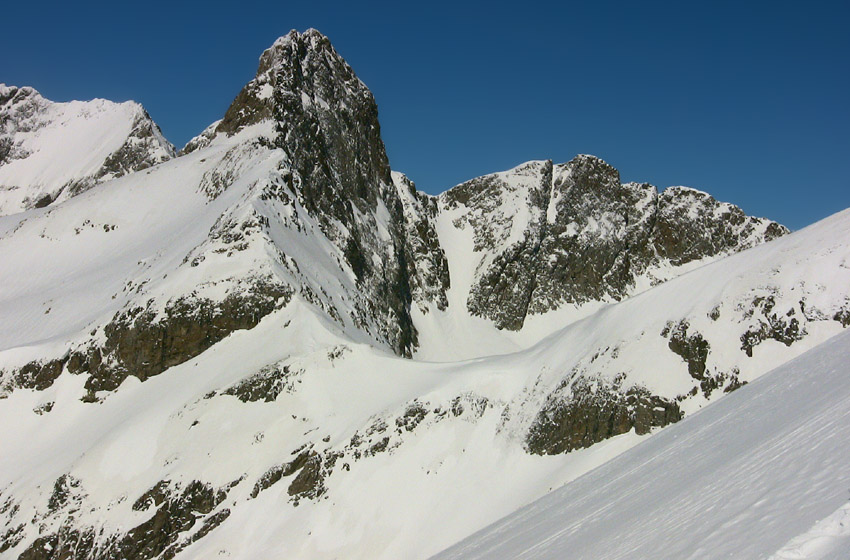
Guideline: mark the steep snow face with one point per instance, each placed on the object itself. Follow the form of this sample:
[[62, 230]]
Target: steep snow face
[[762, 473], [50, 151]]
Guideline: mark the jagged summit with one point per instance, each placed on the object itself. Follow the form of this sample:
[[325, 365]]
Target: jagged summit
[[298, 69], [279, 53], [8, 92]]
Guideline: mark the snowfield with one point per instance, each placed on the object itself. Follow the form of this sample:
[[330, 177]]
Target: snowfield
[[760, 474]]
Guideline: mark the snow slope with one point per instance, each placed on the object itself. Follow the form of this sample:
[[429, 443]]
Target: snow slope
[[762, 471]]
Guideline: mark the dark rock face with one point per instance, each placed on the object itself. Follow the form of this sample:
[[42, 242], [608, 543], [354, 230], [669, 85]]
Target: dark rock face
[[139, 151], [266, 385], [588, 237], [596, 242], [843, 316], [769, 323], [692, 348], [682, 240], [324, 118], [504, 291], [175, 514], [38, 375], [11, 537], [202, 140], [167, 532], [427, 269], [309, 476], [413, 416], [326, 121], [19, 108], [589, 411], [141, 344]]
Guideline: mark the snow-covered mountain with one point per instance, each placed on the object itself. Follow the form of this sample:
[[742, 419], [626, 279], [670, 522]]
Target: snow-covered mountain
[[210, 356], [543, 240], [50, 151]]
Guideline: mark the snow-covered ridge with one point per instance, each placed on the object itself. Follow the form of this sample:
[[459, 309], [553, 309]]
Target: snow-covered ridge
[[50, 151]]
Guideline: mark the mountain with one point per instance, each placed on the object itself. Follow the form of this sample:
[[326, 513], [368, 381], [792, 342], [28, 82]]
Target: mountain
[[274, 344], [546, 236], [50, 151], [744, 478]]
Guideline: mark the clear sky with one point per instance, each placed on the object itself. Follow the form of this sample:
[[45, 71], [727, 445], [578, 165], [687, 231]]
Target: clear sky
[[745, 100]]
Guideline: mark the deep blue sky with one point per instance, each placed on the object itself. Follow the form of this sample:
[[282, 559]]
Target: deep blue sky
[[748, 102]]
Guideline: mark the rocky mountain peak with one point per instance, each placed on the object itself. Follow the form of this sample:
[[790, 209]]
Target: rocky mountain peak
[[589, 174], [290, 65], [301, 76], [18, 107], [569, 234], [307, 103], [321, 114], [294, 45]]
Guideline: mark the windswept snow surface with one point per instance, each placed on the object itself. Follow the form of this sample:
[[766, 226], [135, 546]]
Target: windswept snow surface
[[749, 477], [828, 539]]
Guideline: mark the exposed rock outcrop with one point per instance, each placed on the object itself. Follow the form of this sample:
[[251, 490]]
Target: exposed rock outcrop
[[141, 342], [183, 515], [587, 411]]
